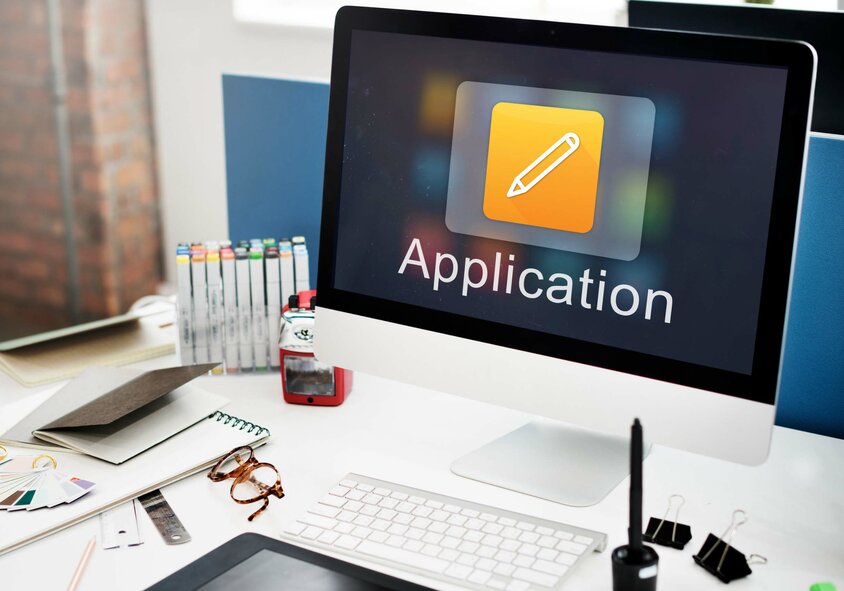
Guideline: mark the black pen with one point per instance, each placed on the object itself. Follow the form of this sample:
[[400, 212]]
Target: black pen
[[634, 565]]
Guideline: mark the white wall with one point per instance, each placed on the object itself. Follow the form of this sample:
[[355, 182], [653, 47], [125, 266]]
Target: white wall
[[191, 44]]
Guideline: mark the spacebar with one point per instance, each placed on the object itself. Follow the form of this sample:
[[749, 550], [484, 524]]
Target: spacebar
[[402, 556]]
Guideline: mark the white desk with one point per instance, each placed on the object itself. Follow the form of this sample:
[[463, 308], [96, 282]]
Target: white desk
[[396, 432]]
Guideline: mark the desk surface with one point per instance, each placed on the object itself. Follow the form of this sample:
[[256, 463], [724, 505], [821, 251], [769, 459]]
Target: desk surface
[[399, 433]]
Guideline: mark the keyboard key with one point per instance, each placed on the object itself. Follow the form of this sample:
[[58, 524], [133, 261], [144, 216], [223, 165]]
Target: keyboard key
[[518, 586], [369, 510], [468, 546], [344, 528], [551, 568], [422, 511], [381, 491], [492, 528], [324, 510], [413, 545], [421, 522], [525, 526], [438, 527], [451, 508], [511, 533], [388, 503], [339, 491], [363, 520], [397, 529], [547, 542], [449, 542], [416, 500], [563, 535], [365, 487], [433, 504], [458, 571], [496, 584], [571, 547], [361, 532], [544, 531], [346, 516], [510, 545], [333, 501], [347, 542], [528, 549], [430, 550], [479, 576], [529, 537], [470, 512], [490, 540], [295, 528], [583, 540], [372, 499], [505, 570], [355, 495], [534, 577], [353, 506], [400, 496], [403, 518], [402, 556], [486, 551], [507, 522], [449, 554], [505, 556], [439, 515], [348, 483], [311, 532], [378, 536], [456, 520], [488, 517], [457, 532], [547, 554], [566, 558], [432, 538], [318, 520], [523, 561], [414, 533], [380, 524], [485, 564], [474, 536], [467, 559], [475, 524], [405, 507], [328, 537], [396, 541], [387, 514]]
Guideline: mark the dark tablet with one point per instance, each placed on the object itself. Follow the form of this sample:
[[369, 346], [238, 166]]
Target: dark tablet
[[252, 562]]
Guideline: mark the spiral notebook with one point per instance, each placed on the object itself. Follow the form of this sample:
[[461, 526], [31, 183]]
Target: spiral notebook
[[186, 453]]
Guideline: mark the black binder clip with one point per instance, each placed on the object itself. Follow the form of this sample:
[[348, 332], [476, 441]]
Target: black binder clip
[[728, 564], [669, 533]]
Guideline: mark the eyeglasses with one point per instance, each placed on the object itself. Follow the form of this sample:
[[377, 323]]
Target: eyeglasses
[[253, 480]]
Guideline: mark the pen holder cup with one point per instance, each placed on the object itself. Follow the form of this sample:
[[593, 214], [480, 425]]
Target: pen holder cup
[[634, 571]]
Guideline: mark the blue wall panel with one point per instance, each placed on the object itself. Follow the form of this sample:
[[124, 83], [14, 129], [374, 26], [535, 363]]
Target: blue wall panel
[[275, 155]]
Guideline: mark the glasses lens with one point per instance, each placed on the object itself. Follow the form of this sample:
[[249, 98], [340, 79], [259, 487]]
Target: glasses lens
[[234, 460], [256, 483]]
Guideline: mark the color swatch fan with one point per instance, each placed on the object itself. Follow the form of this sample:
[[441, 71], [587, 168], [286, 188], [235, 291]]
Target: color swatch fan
[[32, 482]]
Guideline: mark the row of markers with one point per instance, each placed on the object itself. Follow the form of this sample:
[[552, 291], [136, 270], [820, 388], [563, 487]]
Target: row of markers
[[230, 299]]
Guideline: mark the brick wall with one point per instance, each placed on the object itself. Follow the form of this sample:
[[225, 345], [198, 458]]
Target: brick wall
[[114, 202]]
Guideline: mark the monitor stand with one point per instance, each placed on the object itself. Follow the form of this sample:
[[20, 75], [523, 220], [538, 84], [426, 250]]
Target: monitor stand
[[551, 461]]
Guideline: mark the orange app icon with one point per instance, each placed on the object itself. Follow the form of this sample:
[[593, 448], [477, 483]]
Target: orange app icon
[[542, 166]]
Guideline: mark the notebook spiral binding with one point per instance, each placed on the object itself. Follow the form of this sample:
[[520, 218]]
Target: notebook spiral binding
[[239, 423]]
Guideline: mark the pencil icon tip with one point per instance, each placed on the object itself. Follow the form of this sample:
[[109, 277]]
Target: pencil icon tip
[[516, 189]]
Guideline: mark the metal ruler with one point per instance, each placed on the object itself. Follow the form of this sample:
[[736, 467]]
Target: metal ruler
[[164, 519]]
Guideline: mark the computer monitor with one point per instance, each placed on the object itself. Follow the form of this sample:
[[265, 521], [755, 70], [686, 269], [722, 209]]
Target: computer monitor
[[821, 29], [584, 223]]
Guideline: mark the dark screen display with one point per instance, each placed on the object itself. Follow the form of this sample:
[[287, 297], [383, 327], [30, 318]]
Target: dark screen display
[[649, 236]]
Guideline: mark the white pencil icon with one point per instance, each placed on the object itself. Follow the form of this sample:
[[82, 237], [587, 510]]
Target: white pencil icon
[[569, 141]]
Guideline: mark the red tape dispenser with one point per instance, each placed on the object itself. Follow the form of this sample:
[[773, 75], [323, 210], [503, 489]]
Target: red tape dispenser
[[304, 379]]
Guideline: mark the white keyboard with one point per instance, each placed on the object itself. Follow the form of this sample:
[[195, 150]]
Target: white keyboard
[[447, 539]]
